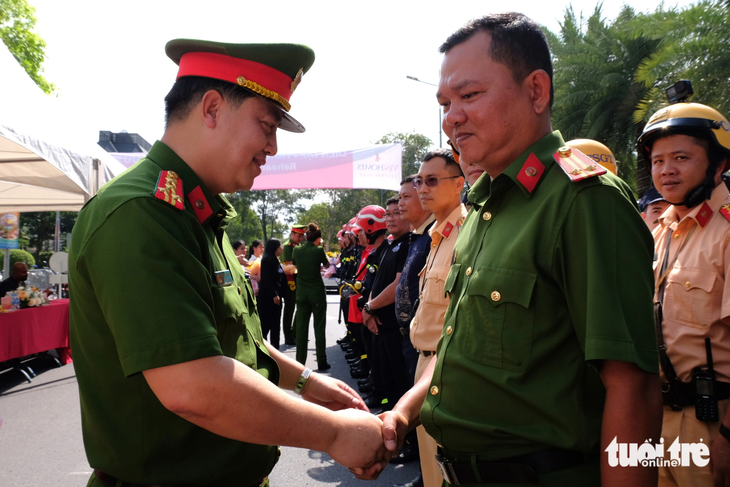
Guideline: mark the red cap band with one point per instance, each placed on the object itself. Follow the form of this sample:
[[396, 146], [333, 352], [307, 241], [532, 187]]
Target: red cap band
[[227, 68]]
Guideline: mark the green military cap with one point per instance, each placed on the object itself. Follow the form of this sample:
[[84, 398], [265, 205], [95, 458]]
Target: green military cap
[[299, 228], [271, 70]]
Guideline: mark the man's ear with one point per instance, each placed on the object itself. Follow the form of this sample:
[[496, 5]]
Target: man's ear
[[538, 82], [210, 107]]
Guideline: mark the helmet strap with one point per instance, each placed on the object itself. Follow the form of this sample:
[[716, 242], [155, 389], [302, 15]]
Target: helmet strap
[[703, 191]]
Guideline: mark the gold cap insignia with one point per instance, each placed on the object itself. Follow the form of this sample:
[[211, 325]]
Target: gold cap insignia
[[297, 80]]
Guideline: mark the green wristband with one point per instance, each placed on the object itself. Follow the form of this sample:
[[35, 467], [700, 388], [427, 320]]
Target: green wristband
[[302, 382]]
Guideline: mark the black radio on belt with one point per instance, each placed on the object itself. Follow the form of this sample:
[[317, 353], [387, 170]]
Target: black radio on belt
[[704, 386]]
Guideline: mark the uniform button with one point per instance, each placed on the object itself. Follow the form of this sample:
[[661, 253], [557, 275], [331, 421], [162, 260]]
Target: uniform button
[[496, 296], [449, 330], [487, 215], [434, 390], [468, 271], [239, 290], [257, 343], [687, 284], [676, 235]]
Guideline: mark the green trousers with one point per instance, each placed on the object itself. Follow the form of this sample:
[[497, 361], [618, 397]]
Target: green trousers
[[308, 304], [290, 301], [95, 482]]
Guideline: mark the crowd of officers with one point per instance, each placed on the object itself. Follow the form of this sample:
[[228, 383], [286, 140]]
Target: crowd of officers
[[521, 329]]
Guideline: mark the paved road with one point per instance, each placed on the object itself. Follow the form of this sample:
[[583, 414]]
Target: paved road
[[41, 444]]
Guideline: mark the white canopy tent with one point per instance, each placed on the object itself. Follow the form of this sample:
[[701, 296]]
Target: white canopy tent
[[39, 176]]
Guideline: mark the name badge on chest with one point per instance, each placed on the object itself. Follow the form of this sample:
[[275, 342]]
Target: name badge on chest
[[224, 278]]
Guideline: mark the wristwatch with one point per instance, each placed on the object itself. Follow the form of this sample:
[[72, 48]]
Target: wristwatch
[[366, 309], [302, 382]]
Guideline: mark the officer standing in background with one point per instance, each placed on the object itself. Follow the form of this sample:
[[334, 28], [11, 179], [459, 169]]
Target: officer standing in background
[[686, 147], [439, 183], [177, 385], [652, 205], [548, 350], [290, 293]]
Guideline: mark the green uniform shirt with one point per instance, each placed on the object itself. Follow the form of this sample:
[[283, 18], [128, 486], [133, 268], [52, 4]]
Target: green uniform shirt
[[287, 251], [309, 258], [542, 283], [146, 296]]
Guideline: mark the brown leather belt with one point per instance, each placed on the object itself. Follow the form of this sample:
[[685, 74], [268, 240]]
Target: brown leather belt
[[523, 469], [111, 481]]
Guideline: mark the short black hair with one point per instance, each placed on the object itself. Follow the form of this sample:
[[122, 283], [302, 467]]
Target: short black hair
[[237, 244], [392, 201], [408, 179], [452, 166], [189, 90], [313, 232], [518, 42]]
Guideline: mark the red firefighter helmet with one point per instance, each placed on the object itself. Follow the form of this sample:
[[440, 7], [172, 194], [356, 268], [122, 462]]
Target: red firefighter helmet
[[371, 219]]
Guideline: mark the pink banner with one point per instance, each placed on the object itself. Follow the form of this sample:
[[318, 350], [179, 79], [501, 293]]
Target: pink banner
[[376, 167]]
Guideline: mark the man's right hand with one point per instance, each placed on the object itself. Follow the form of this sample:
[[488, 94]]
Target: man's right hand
[[359, 441]]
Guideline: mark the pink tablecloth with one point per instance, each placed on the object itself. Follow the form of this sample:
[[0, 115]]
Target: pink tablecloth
[[34, 330]]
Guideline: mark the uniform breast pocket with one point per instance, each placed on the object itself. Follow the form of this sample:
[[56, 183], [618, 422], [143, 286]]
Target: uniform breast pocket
[[231, 317], [691, 296], [433, 290], [498, 318]]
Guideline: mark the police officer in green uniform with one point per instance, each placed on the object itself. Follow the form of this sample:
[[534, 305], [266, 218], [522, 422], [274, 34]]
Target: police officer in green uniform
[[290, 292], [177, 386], [312, 297], [547, 352]]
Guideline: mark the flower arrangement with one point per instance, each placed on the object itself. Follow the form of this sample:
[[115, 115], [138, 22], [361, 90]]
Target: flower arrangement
[[30, 296]]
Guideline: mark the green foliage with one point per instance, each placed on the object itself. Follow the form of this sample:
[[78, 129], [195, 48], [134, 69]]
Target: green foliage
[[595, 91], [415, 146], [17, 31], [274, 210], [43, 257], [37, 228], [17, 255]]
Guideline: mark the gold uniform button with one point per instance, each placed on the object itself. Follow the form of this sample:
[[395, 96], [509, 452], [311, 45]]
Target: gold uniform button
[[687, 284], [487, 215], [449, 330], [496, 296], [676, 235], [434, 390], [239, 290], [468, 271]]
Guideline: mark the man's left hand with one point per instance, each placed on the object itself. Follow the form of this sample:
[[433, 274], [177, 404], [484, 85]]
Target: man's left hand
[[720, 461], [332, 394]]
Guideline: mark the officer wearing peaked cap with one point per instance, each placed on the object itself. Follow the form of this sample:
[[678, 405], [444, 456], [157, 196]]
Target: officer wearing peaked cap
[[290, 292], [177, 386]]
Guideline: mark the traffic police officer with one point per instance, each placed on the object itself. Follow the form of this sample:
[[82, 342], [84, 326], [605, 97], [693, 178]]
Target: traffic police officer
[[290, 292], [686, 147], [547, 351], [176, 383]]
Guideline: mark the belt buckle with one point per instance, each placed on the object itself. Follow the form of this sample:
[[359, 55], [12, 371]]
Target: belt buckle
[[447, 471]]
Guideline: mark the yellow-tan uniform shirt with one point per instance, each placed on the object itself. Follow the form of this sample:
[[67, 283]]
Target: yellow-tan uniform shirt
[[429, 319], [697, 295]]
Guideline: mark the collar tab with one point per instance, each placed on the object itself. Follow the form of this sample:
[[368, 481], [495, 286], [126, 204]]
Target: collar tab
[[200, 204], [531, 172]]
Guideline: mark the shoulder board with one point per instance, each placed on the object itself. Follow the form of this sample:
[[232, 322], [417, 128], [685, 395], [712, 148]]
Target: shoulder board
[[169, 188], [725, 211], [577, 165]]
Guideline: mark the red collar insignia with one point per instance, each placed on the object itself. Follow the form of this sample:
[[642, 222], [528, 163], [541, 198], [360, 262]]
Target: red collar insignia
[[703, 216], [169, 188], [725, 211], [577, 165], [200, 204], [447, 230], [531, 172]]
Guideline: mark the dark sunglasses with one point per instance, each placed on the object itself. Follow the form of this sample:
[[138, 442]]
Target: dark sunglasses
[[430, 181]]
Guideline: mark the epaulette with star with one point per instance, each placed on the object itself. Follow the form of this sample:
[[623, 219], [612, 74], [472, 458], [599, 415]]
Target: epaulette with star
[[725, 211], [169, 188], [577, 165]]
